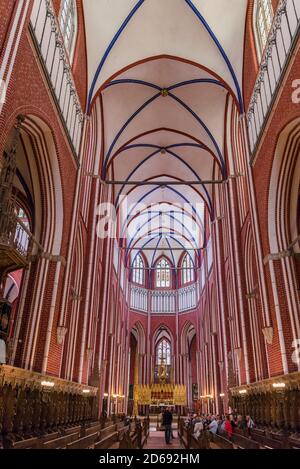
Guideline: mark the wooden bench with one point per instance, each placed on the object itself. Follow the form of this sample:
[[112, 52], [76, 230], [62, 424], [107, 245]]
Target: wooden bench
[[221, 441], [31, 443], [184, 437], [244, 443], [71, 430], [107, 431], [34, 443], [257, 434], [271, 443], [88, 442], [122, 431], [62, 442], [203, 442], [108, 441], [91, 430], [294, 443]]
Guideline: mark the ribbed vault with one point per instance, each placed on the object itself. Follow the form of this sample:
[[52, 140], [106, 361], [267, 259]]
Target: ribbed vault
[[165, 72]]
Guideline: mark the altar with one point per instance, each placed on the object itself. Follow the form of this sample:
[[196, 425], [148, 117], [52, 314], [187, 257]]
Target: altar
[[160, 395]]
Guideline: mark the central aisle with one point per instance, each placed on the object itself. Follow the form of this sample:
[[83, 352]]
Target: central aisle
[[156, 440]]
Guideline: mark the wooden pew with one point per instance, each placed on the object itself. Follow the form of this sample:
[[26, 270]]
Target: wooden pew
[[221, 441], [294, 443], [271, 443], [123, 430], [108, 441], [135, 436], [91, 430], [243, 442], [257, 434], [87, 442], [62, 442], [31, 443], [184, 437], [107, 431], [71, 430], [34, 443], [267, 441], [203, 442]]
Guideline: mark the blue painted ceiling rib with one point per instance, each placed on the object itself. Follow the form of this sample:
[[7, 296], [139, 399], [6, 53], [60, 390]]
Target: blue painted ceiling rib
[[156, 152], [153, 257], [172, 254], [172, 189], [158, 147], [154, 214], [187, 108], [123, 81], [221, 159], [169, 214], [123, 27], [137, 112], [133, 81], [221, 50], [108, 50], [159, 235], [171, 153]]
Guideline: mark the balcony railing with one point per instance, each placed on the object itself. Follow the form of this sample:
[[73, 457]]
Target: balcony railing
[[187, 298], [281, 41], [15, 241], [139, 299], [54, 58], [163, 302]]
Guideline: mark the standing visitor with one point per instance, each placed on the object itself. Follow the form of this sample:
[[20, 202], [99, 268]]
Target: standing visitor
[[167, 422]]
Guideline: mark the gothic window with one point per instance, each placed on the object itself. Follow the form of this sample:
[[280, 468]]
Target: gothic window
[[163, 274], [263, 17], [163, 353], [138, 270], [68, 25], [188, 272]]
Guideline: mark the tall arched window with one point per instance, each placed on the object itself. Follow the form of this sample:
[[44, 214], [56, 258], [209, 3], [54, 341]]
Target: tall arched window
[[138, 270], [263, 18], [163, 274], [188, 271], [163, 353], [68, 25]]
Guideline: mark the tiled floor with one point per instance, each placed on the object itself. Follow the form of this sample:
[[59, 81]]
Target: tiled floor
[[157, 441]]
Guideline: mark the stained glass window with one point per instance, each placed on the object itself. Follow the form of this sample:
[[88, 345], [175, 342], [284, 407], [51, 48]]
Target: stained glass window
[[138, 270], [263, 23], [68, 24], [163, 274], [163, 353], [188, 272]]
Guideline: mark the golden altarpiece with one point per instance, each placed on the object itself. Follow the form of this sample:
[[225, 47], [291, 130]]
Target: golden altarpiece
[[161, 393]]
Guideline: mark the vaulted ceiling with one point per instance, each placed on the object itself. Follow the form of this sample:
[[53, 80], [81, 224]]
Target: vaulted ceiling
[[164, 70]]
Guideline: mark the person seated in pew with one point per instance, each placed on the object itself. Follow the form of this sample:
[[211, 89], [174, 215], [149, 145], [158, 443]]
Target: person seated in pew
[[228, 427], [198, 428], [250, 424], [241, 423], [213, 426]]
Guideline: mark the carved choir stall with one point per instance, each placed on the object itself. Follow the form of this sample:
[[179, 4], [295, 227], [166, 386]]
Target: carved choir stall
[[272, 403], [33, 405]]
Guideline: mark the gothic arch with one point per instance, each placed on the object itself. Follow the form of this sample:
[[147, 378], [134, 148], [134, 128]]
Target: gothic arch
[[38, 186], [283, 215]]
